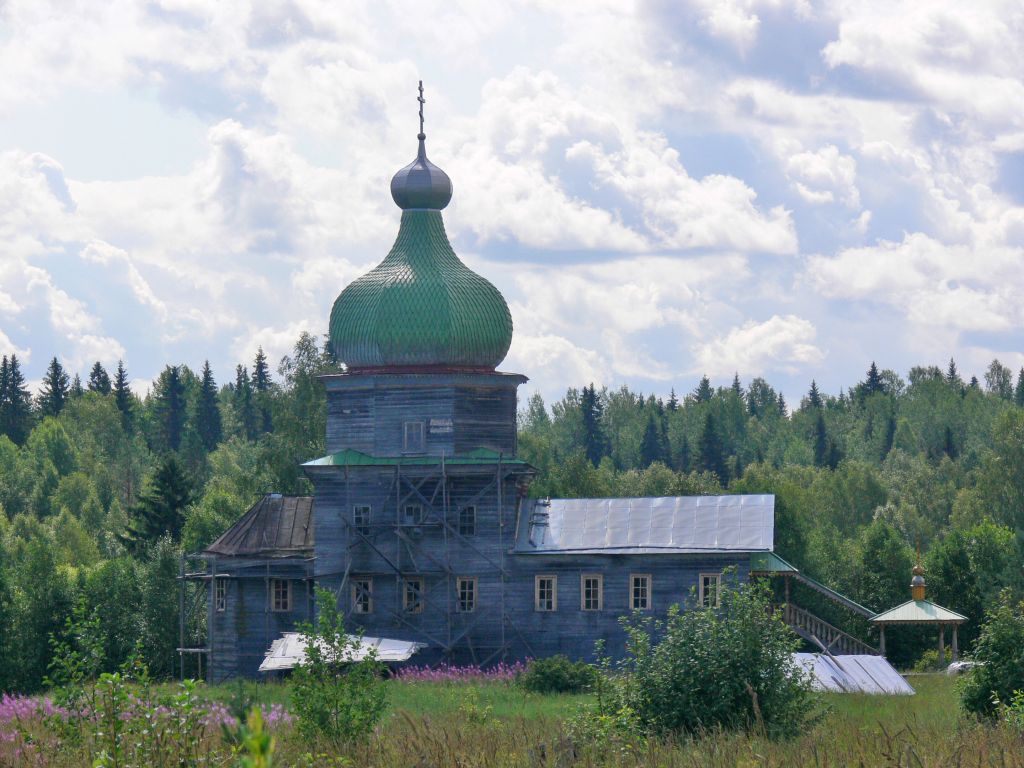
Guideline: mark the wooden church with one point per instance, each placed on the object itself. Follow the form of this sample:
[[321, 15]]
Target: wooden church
[[421, 521]]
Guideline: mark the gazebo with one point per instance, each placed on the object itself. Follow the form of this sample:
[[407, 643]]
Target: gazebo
[[917, 610]]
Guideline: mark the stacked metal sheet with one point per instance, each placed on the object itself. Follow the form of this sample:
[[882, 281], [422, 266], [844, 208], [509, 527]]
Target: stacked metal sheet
[[853, 674], [289, 651]]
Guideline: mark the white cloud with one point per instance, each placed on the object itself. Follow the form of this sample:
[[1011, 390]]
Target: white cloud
[[780, 343], [825, 176]]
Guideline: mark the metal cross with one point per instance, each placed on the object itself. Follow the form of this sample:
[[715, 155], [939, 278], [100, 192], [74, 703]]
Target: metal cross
[[422, 101]]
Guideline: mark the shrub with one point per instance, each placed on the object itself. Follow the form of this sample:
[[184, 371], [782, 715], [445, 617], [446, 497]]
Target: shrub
[[706, 668], [557, 674], [335, 698], [1000, 651], [929, 661]]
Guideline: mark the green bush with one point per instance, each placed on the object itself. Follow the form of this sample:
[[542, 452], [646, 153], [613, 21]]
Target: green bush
[[1000, 653], [557, 674], [334, 698], [929, 661], [706, 668]]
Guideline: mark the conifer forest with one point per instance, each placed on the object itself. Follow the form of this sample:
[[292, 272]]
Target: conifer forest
[[102, 489]]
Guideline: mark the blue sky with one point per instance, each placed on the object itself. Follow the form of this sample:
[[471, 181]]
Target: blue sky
[[778, 188]]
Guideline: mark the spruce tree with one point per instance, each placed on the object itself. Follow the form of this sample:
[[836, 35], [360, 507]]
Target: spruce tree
[[55, 390], [685, 459], [651, 445], [161, 506], [593, 431], [170, 406], [712, 452], [783, 409], [99, 381], [245, 412], [207, 414], [814, 396], [1018, 393], [736, 386], [703, 392], [820, 441], [76, 387], [953, 375], [16, 412], [261, 387], [890, 435], [873, 383], [673, 401], [123, 396]]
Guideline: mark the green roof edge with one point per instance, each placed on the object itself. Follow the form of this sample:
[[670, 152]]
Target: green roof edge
[[352, 458]]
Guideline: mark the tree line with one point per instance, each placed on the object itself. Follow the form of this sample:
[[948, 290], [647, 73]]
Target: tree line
[[101, 488]]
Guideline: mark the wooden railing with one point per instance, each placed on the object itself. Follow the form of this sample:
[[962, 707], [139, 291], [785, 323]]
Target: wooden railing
[[812, 628]]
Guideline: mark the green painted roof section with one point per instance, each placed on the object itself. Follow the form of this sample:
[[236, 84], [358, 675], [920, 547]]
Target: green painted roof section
[[917, 611], [421, 306], [350, 458], [769, 562]]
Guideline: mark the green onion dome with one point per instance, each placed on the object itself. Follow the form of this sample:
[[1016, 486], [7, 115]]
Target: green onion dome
[[421, 308]]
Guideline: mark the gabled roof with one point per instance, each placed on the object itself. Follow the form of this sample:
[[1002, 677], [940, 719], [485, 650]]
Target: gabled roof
[[275, 525], [351, 458], [918, 612], [769, 562], [670, 524]]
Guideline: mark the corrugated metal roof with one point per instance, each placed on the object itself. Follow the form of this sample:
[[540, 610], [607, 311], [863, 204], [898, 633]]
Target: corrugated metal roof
[[351, 458], [289, 651], [670, 524], [853, 674], [918, 612], [274, 525]]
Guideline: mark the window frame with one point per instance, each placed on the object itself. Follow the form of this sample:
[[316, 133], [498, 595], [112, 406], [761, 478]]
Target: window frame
[[584, 578], [702, 592], [416, 519], [362, 527], [354, 590], [537, 579], [467, 513], [459, 581], [220, 594], [648, 581], [414, 427], [275, 605], [413, 606]]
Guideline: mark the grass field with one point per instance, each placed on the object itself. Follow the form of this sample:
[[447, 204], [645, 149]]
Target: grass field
[[496, 724]]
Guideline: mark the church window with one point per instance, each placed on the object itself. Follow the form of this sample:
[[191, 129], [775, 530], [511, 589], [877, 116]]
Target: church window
[[413, 437], [413, 599], [361, 518], [640, 591], [591, 591], [466, 594], [362, 595], [546, 593], [710, 587], [220, 594], [467, 521], [281, 595]]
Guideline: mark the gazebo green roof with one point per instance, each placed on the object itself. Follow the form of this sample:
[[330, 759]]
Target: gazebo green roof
[[918, 612], [421, 308]]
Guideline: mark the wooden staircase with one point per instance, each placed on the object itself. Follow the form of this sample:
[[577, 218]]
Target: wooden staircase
[[821, 633]]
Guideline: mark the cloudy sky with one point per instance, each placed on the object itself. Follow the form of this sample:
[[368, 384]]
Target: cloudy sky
[[783, 188]]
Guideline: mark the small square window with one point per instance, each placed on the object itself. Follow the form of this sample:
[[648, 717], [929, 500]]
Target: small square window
[[413, 596], [362, 595], [710, 589], [412, 514], [467, 521], [281, 594], [413, 437], [220, 594], [591, 591], [640, 591], [466, 586], [361, 518], [546, 593]]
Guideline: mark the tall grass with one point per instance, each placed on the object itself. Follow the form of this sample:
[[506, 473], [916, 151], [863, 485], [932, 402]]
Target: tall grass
[[479, 723]]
